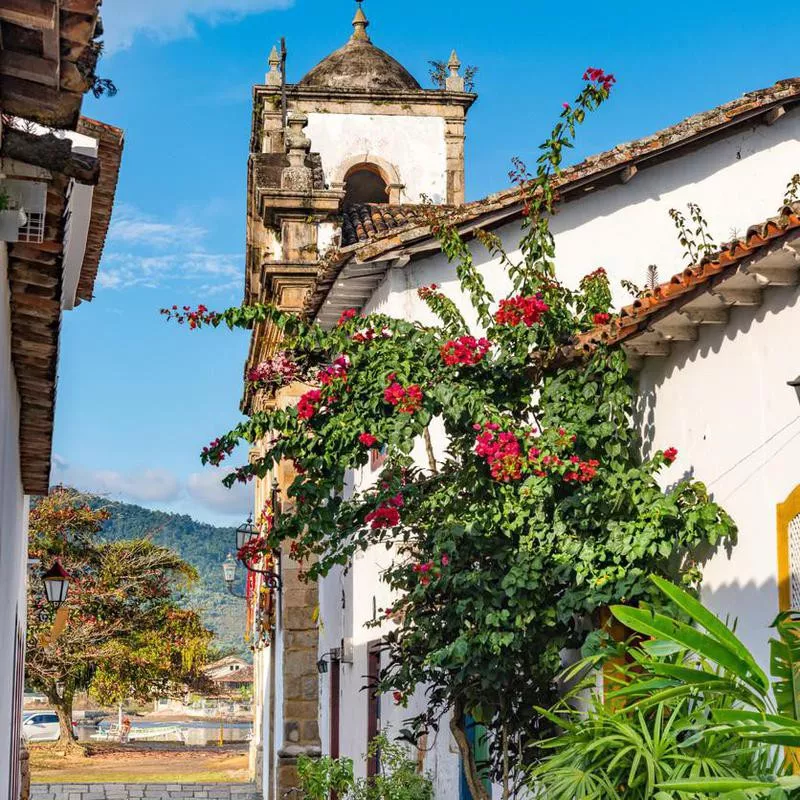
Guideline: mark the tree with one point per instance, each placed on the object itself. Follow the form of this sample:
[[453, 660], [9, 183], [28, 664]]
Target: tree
[[126, 634], [540, 513]]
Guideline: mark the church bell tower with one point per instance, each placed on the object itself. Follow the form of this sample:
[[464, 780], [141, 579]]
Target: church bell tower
[[356, 140]]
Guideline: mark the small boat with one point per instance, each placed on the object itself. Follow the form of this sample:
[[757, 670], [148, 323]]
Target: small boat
[[166, 733]]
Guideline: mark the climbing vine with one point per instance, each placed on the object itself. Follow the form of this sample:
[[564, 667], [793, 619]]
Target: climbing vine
[[513, 496]]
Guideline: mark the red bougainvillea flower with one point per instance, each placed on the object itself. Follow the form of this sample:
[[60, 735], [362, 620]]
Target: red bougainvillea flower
[[201, 315], [598, 76], [521, 310], [670, 455], [368, 440], [502, 452], [394, 394], [445, 560], [346, 316], [308, 404], [386, 515], [466, 350], [398, 697], [602, 319], [425, 292], [584, 471], [407, 400]]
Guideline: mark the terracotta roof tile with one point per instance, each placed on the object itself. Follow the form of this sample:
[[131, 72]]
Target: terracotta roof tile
[[111, 142], [633, 318], [363, 222]]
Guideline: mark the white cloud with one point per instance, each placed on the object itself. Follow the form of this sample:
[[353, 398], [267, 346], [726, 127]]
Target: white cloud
[[150, 485], [153, 252], [219, 271], [173, 19], [132, 226], [206, 488], [202, 495]]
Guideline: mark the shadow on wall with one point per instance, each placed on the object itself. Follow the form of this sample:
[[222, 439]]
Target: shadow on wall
[[742, 319], [752, 608]]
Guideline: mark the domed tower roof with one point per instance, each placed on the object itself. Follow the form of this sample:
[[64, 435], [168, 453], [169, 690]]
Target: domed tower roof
[[360, 65]]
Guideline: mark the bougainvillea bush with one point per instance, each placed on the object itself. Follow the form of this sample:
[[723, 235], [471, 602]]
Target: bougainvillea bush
[[540, 513]]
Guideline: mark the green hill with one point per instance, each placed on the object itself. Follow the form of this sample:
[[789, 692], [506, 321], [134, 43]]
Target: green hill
[[204, 547]]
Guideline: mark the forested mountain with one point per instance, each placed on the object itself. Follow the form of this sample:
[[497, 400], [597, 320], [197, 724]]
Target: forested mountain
[[204, 546]]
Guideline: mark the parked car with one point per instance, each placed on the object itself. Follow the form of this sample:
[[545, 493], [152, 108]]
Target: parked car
[[42, 727]]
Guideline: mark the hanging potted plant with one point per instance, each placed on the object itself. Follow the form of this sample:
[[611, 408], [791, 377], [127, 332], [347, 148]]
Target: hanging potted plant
[[12, 216]]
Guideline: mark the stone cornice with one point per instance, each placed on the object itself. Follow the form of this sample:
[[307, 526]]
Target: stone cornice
[[400, 96]]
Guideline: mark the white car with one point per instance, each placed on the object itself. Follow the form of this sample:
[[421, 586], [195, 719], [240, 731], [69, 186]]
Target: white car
[[42, 727]]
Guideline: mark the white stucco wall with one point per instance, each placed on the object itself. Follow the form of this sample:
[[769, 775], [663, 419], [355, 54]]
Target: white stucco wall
[[414, 145], [13, 534], [724, 403]]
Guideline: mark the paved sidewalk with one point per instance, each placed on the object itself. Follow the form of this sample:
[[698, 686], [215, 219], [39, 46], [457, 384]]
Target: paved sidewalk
[[143, 791]]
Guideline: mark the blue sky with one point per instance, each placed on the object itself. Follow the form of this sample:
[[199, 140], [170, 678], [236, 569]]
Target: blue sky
[[139, 398]]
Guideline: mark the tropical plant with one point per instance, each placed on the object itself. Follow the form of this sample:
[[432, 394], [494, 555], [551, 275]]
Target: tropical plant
[[691, 714], [537, 513], [397, 779], [122, 632]]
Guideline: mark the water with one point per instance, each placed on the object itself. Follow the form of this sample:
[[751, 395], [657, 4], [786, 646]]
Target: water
[[198, 732]]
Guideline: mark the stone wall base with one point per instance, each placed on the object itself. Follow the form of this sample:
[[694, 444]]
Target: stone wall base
[[144, 791]]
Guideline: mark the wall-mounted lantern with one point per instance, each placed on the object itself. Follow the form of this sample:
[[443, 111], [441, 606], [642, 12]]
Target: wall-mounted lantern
[[248, 533], [796, 384], [332, 655], [56, 585]]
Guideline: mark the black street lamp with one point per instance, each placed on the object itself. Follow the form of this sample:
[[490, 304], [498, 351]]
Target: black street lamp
[[796, 384], [56, 585], [247, 534]]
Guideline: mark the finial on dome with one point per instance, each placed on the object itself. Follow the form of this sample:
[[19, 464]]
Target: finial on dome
[[274, 76], [360, 25], [454, 82]]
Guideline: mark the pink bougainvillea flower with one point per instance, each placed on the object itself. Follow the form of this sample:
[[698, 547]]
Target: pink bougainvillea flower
[[445, 560], [670, 455], [602, 319], [368, 440]]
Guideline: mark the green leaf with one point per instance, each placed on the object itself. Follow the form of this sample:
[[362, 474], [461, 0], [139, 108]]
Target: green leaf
[[785, 664]]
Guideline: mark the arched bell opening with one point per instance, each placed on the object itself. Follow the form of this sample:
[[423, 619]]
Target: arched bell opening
[[364, 183]]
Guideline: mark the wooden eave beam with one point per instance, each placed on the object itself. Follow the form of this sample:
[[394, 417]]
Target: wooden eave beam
[[88, 7], [29, 68], [774, 114], [40, 15]]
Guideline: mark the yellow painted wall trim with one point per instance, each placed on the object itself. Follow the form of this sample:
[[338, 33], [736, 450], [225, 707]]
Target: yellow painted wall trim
[[787, 511]]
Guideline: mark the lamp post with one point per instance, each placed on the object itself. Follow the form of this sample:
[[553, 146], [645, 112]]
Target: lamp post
[[56, 585]]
